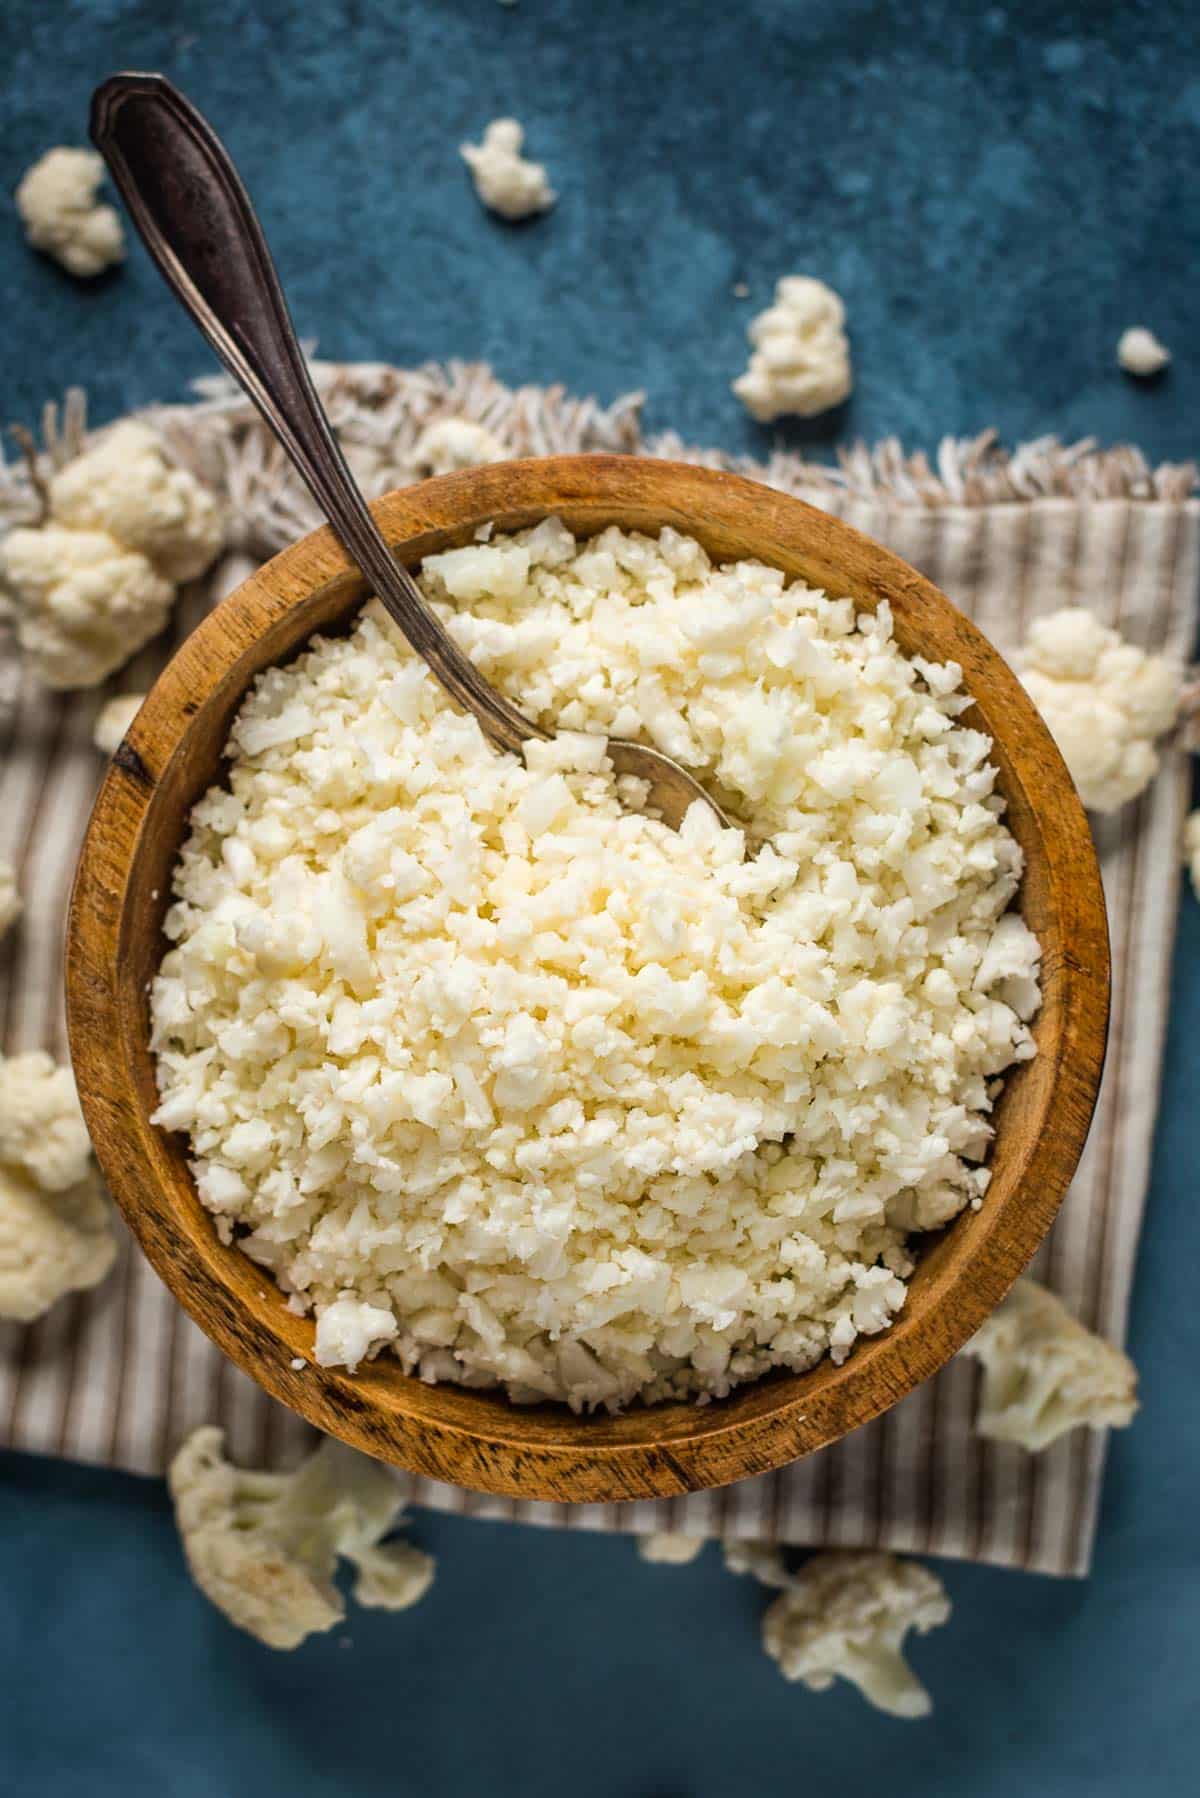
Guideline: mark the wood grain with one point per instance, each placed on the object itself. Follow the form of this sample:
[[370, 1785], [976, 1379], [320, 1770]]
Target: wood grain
[[173, 754]]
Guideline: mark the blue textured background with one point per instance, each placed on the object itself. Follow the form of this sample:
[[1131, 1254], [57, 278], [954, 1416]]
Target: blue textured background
[[996, 193]]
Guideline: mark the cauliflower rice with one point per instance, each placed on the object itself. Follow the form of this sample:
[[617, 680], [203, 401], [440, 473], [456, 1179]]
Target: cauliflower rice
[[538, 1092]]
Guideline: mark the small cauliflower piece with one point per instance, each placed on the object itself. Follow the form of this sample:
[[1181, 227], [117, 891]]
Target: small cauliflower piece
[[114, 719], [10, 899], [57, 203], [126, 486], [1191, 856], [504, 180], [42, 1131], [845, 1615], [1140, 353], [453, 443], [763, 1561], [1104, 701], [84, 603], [263, 1547], [669, 1548], [801, 359], [51, 1243], [1045, 1374]]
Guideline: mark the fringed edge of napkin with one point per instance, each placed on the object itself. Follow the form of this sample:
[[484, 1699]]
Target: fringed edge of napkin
[[381, 412]]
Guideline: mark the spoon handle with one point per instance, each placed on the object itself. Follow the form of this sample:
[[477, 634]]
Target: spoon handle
[[196, 220]]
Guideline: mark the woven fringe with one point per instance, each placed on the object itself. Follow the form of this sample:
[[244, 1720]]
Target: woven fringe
[[381, 412]]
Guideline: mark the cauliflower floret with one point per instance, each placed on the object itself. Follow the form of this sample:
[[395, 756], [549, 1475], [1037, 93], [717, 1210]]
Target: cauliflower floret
[[801, 358], [848, 1614], [57, 204], [762, 1560], [10, 899], [114, 719], [453, 443], [51, 1243], [1045, 1374], [1140, 353], [669, 1548], [263, 1547], [1104, 701], [42, 1131], [124, 485], [84, 604], [504, 180]]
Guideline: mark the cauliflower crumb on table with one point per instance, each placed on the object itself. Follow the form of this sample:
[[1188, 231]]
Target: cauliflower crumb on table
[[1105, 702], [507, 182], [97, 579], [61, 215], [669, 1548], [263, 1547], [539, 1092], [1044, 1373], [1140, 353], [801, 358]]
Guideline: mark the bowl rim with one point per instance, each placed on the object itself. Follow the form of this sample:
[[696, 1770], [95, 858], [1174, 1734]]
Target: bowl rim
[[478, 1439]]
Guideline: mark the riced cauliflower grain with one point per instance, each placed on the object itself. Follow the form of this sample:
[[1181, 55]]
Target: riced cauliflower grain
[[669, 1548], [1140, 353], [57, 203], [801, 357], [114, 719], [506, 181], [263, 1547], [11, 904], [538, 1092], [453, 443], [1105, 702], [1044, 1373], [845, 1615]]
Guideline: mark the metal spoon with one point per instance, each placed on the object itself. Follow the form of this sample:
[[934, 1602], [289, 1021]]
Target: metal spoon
[[196, 220]]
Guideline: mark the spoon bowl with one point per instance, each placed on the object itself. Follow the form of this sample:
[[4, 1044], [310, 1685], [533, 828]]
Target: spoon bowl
[[479, 1439]]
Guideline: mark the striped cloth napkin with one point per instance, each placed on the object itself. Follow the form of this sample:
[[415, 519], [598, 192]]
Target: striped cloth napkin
[[118, 1376]]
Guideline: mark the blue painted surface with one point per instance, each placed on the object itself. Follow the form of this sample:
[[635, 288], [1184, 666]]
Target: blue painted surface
[[997, 193]]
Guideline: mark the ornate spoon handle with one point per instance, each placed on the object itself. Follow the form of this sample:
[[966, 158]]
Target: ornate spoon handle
[[195, 217]]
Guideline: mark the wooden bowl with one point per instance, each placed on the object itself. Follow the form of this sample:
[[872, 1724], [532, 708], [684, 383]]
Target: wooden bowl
[[173, 753]]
